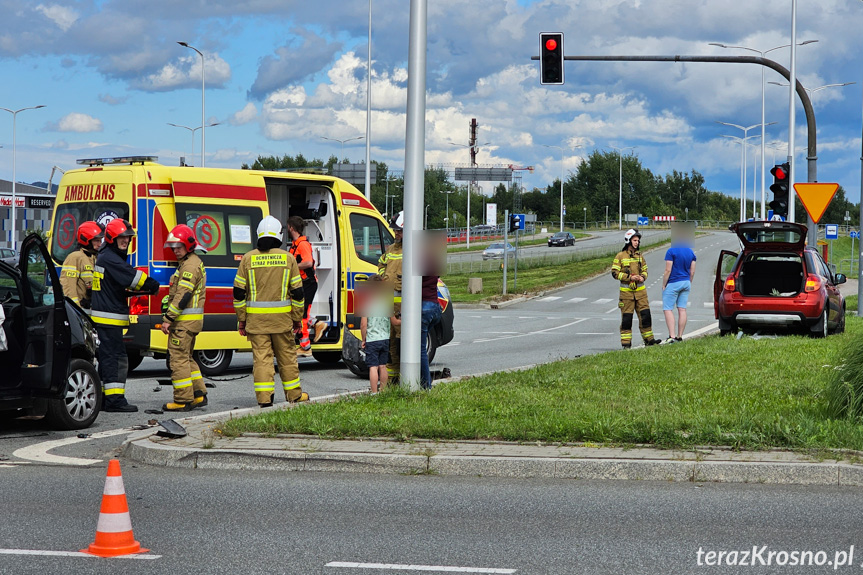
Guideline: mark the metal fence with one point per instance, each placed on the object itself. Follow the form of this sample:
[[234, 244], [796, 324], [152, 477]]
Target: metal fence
[[532, 257]]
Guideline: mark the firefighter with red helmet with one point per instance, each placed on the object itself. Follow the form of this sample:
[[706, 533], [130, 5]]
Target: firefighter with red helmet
[[630, 269], [183, 320], [268, 299], [114, 281], [76, 275]]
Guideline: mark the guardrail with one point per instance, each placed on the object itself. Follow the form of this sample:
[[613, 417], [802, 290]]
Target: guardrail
[[531, 258]]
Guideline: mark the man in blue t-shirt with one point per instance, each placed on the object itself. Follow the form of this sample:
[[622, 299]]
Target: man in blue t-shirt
[[676, 284]]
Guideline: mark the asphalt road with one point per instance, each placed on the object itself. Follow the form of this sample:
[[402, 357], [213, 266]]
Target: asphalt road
[[579, 320], [198, 521]]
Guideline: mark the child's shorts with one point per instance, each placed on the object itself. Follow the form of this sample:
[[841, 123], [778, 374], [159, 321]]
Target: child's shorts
[[377, 352]]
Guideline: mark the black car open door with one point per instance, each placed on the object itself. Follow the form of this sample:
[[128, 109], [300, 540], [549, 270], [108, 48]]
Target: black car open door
[[47, 339]]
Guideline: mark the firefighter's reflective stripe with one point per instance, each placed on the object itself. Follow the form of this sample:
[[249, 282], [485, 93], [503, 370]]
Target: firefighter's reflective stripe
[[293, 384], [138, 281], [187, 284], [190, 313], [268, 306], [397, 296], [106, 318], [98, 274], [71, 271], [627, 288], [265, 386], [181, 383], [240, 280], [114, 388]]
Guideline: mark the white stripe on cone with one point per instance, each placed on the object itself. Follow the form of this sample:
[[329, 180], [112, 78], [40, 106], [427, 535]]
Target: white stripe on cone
[[114, 522]]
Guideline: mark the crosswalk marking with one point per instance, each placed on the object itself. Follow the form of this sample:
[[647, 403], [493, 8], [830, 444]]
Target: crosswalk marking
[[603, 300], [551, 298], [576, 300]]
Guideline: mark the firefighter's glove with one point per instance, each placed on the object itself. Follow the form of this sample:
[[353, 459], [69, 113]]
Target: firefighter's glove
[[85, 303], [632, 285], [151, 286], [165, 302]]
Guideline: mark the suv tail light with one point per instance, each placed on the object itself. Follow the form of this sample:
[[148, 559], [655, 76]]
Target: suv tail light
[[729, 283], [813, 283]]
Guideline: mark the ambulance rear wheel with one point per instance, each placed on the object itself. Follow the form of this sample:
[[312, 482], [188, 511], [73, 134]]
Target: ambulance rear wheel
[[213, 361]]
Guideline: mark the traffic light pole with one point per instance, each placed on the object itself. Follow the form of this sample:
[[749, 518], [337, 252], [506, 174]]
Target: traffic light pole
[[505, 242]]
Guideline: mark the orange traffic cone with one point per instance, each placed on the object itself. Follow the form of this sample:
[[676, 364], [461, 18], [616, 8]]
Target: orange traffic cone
[[114, 532]]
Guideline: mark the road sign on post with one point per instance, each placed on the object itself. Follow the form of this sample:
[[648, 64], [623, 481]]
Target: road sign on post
[[816, 196], [831, 232]]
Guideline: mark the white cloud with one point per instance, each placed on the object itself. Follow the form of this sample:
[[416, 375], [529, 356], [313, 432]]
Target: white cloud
[[62, 16], [76, 122], [244, 116], [186, 73], [113, 100]]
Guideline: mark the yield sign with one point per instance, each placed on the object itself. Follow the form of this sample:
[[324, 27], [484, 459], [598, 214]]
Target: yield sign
[[816, 197]]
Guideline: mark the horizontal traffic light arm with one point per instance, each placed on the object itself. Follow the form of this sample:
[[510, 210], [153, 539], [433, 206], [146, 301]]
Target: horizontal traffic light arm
[[761, 61]]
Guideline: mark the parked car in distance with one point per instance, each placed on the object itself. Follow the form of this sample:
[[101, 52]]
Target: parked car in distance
[[495, 251], [561, 239], [9, 256], [48, 366], [776, 281]]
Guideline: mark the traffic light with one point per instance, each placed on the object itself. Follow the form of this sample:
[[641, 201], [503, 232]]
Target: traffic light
[[780, 189], [513, 223], [551, 58]]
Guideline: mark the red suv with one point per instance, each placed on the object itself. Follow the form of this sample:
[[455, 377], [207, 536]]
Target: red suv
[[776, 281]]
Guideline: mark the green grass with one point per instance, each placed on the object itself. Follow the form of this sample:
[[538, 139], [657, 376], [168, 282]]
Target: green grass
[[748, 393]]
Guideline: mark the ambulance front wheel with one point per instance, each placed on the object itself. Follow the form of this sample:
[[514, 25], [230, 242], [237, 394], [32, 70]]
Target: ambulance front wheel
[[213, 361], [327, 356]]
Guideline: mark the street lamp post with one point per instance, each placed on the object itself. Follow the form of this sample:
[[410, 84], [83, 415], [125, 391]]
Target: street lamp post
[[620, 184], [585, 218], [562, 150], [447, 192], [14, 149], [193, 130], [203, 91], [742, 170], [743, 185], [763, 125], [342, 142]]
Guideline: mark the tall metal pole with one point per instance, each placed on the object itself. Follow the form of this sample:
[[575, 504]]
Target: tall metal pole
[[14, 163], [763, 153], [413, 195], [860, 227], [369, 113], [620, 191], [203, 91], [792, 84]]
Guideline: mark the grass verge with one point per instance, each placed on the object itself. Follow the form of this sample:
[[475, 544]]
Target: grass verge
[[748, 393]]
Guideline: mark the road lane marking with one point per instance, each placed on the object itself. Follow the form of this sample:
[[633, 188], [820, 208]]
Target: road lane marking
[[612, 310], [39, 451], [538, 332], [603, 300], [550, 298], [45, 552], [576, 300], [406, 567]]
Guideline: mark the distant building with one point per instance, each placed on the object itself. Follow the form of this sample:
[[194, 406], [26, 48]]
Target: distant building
[[33, 207]]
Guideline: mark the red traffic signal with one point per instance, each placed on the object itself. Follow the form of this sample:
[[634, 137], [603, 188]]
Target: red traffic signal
[[779, 172], [551, 58]]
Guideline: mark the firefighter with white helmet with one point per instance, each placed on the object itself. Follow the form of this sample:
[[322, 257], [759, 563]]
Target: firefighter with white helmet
[[76, 275], [268, 299], [630, 269], [114, 281], [183, 320], [390, 269]]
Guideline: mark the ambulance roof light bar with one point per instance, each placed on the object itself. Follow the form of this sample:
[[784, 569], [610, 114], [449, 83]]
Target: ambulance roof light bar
[[120, 160]]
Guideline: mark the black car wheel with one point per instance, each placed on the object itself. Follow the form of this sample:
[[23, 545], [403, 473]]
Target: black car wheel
[[820, 329], [213, 361], [81, 401], [726, 327], [840, 326]]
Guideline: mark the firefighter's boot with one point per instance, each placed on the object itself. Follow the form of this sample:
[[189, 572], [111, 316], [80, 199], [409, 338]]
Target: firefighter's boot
[[173, 406]]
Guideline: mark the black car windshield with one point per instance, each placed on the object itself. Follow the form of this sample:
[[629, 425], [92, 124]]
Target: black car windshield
[[560, 235], [495, 247]]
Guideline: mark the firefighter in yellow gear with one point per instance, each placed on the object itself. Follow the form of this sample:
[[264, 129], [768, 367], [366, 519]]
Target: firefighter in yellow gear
[[268, 299], [76, 275], [390, 269], [630, 269], [183, 320]]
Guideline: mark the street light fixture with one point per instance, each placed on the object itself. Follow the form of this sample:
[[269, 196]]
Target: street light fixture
[[811, 91], [562, 150], [342, 142], [743, 142], [14, 146], [447, 192], [620, 184], [193, 130], [469, 147], [743, 176], [203, 121], [763, 136]]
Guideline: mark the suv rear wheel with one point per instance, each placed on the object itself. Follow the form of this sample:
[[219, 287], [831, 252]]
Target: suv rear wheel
[[81, 401], [819, 328]]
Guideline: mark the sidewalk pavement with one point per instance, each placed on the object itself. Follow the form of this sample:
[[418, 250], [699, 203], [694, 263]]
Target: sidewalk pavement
[[205, 448]]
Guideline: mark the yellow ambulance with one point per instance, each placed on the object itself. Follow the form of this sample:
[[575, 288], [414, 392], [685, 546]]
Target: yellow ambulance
[[224, 207]]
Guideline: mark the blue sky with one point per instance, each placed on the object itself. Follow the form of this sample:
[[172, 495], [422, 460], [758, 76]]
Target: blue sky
[[283, 73]]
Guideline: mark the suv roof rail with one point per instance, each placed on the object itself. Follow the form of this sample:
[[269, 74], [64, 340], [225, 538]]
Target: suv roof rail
[[118, 160]]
